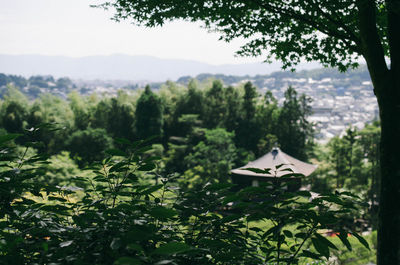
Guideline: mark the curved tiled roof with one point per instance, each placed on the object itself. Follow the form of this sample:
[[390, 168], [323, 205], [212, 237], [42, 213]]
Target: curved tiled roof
[[271, 160]]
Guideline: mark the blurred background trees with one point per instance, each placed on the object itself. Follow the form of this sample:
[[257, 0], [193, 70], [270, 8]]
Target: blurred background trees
[[190, 121]]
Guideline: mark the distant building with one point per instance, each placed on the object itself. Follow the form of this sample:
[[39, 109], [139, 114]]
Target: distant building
[[244, 178], [321, 110]]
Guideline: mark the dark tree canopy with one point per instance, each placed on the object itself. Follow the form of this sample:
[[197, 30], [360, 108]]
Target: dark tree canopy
[[149, 119], [88, 146], [293, 129]]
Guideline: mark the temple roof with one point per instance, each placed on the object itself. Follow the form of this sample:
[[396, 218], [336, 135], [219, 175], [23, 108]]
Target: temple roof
[[271, 160]]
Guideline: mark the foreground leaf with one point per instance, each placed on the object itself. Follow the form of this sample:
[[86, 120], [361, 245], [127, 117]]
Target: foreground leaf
[[172, 248]]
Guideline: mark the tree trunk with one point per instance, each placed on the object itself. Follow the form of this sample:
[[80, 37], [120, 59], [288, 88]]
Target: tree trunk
[[389, 204], [387, 90]]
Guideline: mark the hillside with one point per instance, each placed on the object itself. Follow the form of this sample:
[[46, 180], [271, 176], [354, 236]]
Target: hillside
[[124, 67]]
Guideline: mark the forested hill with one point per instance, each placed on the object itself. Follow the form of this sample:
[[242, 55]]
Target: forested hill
[[35, 85], [352, 77], [123, 67]]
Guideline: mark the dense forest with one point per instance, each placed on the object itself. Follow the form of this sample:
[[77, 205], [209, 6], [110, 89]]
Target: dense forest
[[180, 117], [143, 178]]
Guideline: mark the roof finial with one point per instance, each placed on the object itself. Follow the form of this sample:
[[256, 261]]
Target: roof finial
[[275, 150]]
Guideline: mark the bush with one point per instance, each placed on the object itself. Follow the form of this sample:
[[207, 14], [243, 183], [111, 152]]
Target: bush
[[88, 146], [121, 221]]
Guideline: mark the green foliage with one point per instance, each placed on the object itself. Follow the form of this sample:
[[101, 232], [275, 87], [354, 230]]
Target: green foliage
[[359, 255], [80, 110], [149, 119], [88, 146], [179, 115], [62, 169], [294, 132], [214, 157], [352, 162], [56, 114], [14, 110], [121, 117], [215, 105], [127, 209], [247, 132], [118, 220], [14, 116]]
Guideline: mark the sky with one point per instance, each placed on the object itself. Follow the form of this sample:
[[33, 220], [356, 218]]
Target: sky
[[72, 28]]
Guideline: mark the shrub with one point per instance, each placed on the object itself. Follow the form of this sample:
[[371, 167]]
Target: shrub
[[121, 221]]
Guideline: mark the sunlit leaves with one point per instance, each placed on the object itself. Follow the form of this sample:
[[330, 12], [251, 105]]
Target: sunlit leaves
[[120, 219]]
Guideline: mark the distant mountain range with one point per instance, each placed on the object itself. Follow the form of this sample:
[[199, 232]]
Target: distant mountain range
[[126, 67]]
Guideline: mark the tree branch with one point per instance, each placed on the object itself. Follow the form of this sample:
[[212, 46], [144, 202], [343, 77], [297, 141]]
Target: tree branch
[[338, 23], [393, 13], [371, 45], [308, 21]]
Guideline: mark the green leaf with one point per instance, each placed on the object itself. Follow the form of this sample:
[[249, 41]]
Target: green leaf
[[45, 246], [8, 137], [122, 141], [218, 186], [326, 241], [59, 209], [151, 189], [53, 198], [230, 218], [115, 152], [332, 198], [361, 240], [172, 248], [348, 193], [287, 233], [147, 167], [127, 261], [321, 247], [115, 244], [133, 246], [136, 144], [100, 178], [152, 158], [301, 234], [162, 213], [258, 170], [231, 198], [272, 230], [343, 237], [286, 169], [143, 149], [303, 193], [292, 175], [119, 167], [280, 165], [163, 262], [309, 254], [139, 233], [255, 229]]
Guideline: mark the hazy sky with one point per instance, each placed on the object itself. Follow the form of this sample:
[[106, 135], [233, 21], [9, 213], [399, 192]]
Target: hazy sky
[[72, 28]]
